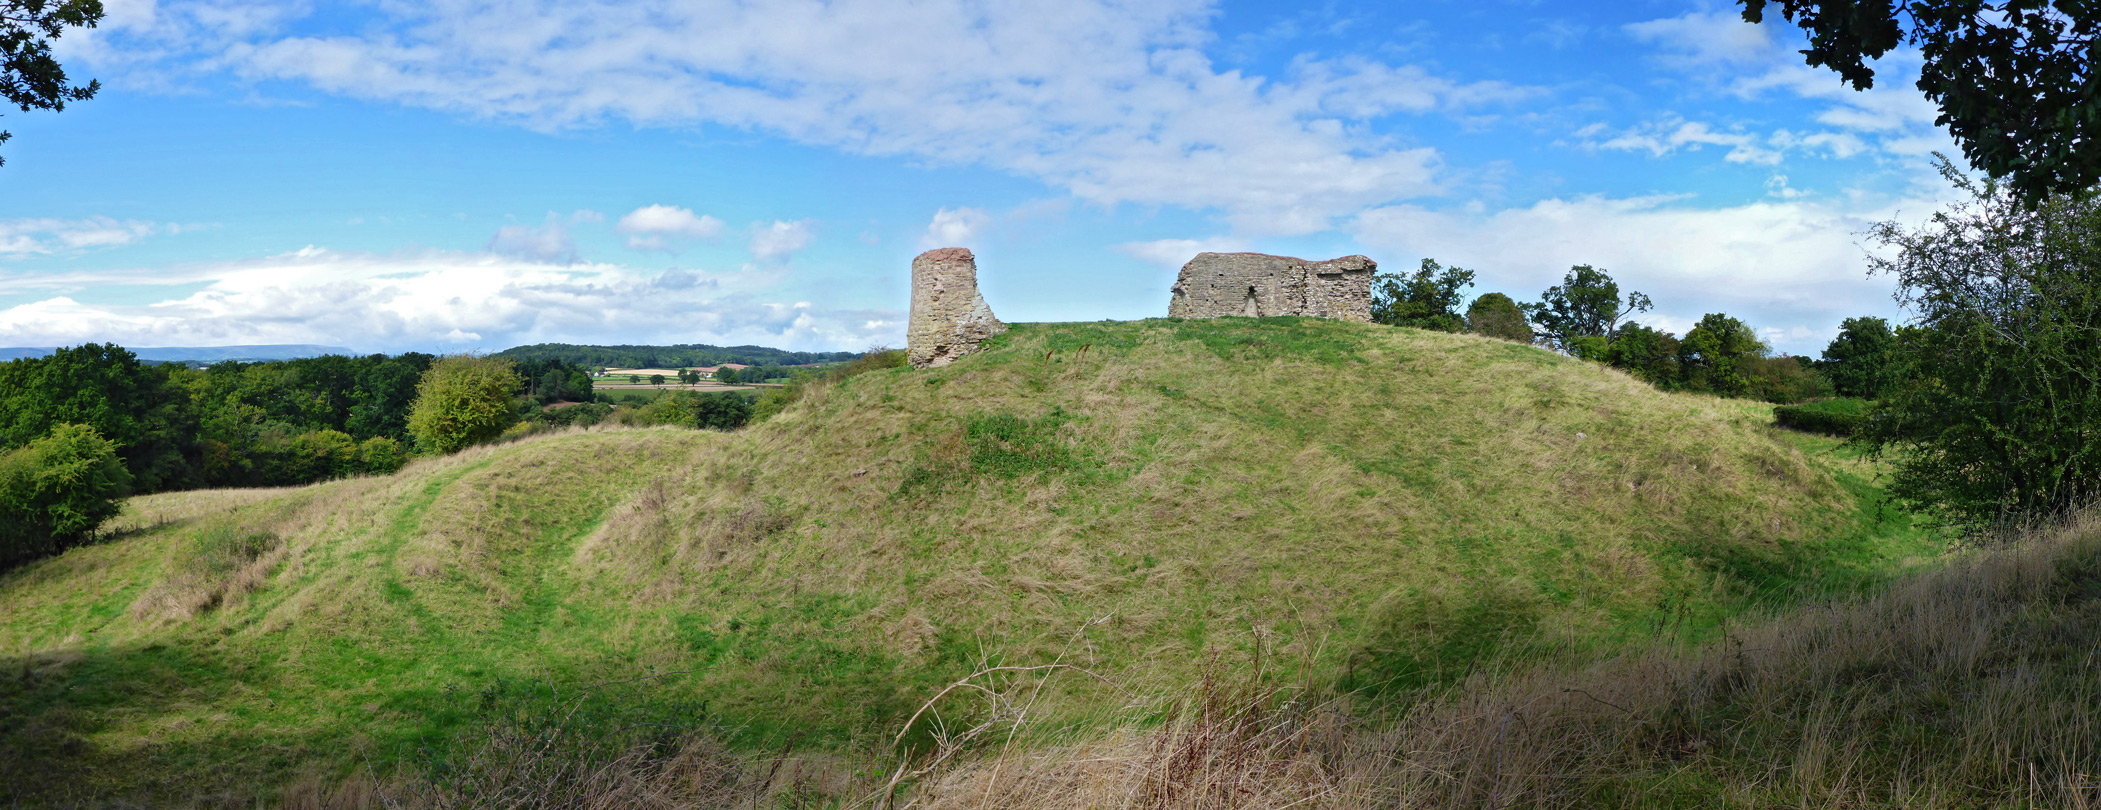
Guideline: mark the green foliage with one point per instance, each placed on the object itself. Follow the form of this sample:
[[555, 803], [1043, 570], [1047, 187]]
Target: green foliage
[[1862, 360], [2013, 79], [380, 455], [726, 375], [55, 491], [106, 388], [1429, 299], [29, 77], [676, 356], [727, 410], [1496, 315], [1999, 413], [1585, 303], [1650, 354], [1716, 356], [463, 400], [1842, 416], [1784, 379]]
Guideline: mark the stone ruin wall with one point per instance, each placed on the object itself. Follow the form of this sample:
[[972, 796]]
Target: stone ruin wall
[[949, 317], [1259, 285]]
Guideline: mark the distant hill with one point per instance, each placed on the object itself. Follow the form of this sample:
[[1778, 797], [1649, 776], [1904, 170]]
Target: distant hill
[[200, 354], [674, 356]]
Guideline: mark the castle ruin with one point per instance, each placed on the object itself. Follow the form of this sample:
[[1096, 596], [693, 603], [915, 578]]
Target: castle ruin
[[1257, 285], [949, 317]]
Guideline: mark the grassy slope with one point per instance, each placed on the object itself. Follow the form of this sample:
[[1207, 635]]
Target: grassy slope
[[1383, 506]]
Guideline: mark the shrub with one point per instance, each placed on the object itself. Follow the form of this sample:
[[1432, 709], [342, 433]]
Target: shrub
[[1842, 416], [463, 400], [55, 491], [380, 455], [1496, 315]]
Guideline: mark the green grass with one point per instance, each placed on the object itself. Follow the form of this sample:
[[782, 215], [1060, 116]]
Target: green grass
[[1385, 507]]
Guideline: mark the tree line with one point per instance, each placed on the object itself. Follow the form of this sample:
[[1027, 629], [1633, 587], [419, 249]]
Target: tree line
[[1986, 401], [89, 424], [1586, 316], [674, 356]]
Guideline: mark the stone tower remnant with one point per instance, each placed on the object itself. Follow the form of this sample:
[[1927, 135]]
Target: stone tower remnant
[[949, 317], [1259, 285]]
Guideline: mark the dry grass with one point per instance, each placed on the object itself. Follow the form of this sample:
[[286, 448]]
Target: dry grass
[[1391, 507]]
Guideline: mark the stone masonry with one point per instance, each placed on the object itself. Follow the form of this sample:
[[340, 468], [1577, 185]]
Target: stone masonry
[[949, 317], [1259, 285]]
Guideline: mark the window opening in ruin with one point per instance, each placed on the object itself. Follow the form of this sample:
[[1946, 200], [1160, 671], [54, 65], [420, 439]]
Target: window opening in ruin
[[1252, 310]]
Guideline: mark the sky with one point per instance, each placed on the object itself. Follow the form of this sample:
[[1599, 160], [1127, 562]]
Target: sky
[[470, 175]]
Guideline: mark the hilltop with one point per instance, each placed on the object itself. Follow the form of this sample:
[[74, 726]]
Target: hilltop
[[1380, 509]]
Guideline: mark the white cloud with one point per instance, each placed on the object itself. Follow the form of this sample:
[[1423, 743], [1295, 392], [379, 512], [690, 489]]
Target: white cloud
[[1707, 38], [666, 227], [22, 237], [1786, 265], [778, 240], [1664, 137], [436, 300], [1114, 101], [548, 243], [1173, 253], [957, 228]]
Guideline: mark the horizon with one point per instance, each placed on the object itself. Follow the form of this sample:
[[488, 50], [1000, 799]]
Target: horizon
[[450, 179]]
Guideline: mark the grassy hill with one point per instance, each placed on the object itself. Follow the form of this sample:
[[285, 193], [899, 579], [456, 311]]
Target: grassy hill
[[1370, 510]]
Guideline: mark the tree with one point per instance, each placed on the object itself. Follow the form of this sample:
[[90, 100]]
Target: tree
[[463, 400], [2014, 79], [1429, 299], [1716, 354], [105, 387], [634, 379], [1998, 412], [656, 379], [1650, 354], [1585, 304], [1860, 360], [1496, 315], [727, 376], [55, 491], [29, 77]]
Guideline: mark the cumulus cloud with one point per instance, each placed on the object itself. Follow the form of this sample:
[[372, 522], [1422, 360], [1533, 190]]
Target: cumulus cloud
[[1113, 101], [666, 228], [778, 240], [549, 243], [1173, 253], [957, 228], [1789, 265], [32, 236], [436, 300]]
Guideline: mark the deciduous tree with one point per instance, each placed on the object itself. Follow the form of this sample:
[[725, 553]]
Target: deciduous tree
[[1585, 304], [29, 77], [463, 400], [1427, 299]]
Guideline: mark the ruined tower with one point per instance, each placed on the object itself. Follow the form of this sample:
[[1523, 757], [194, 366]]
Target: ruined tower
[[949, 317], [1258, 285]]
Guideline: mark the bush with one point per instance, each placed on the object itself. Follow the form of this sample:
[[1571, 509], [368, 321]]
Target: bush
[[380, 455], [463, 400], [1841, 416], [55, 491]]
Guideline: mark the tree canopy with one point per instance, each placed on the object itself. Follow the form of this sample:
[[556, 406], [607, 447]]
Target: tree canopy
[[29, 77], [463, 400], [1586, 304], [1427, 299], [2014, 78], [1999, 409]]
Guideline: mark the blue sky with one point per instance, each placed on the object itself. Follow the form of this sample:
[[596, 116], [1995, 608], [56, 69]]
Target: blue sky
[[456, 175]]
